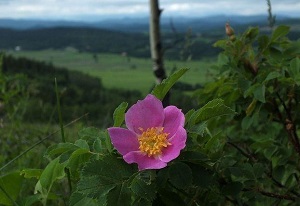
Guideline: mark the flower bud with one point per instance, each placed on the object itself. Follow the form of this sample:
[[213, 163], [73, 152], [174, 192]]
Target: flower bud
[[229, 30]]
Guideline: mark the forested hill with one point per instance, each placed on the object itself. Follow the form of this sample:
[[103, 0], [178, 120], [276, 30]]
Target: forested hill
[[104, 41], [181, 43], [83, 39]]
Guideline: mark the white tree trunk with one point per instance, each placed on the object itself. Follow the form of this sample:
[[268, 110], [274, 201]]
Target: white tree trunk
[[156, 45]]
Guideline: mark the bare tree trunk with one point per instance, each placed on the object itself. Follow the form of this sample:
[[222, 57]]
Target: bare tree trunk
[[156, 45]]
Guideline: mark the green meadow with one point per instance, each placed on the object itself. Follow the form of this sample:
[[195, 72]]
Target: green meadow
[[119, 71]]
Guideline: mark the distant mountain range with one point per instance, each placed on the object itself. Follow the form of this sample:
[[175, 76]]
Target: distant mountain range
[[180, 24]]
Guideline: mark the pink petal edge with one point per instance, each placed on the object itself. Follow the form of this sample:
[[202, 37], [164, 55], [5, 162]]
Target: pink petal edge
[[144, 162], [123, 140], [177, 144], [146, 113], [174, 118]]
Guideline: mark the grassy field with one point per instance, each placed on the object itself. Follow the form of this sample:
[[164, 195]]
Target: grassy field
[[117, 71]]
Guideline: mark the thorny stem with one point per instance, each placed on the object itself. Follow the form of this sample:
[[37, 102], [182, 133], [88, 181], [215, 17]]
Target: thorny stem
[[288, 123]]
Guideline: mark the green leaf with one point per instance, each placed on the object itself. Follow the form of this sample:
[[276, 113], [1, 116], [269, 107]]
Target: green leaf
[[180, 175], [77, 159], [119, 114], [82, 144], [99, 177], [143, 189], [198, 128], [252, 33], [97, 145], [30, 173], [162, 89], [263, 42], [53, 171], [11, 183], [58, 149], [193, 157], [214, 108], [279, 32], [272, 75], [89, 133], [78, 199], [260, 92], [294, 70], [215, 143], [119, 196]]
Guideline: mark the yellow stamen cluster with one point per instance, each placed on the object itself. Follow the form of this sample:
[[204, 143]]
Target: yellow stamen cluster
[[153, 140]]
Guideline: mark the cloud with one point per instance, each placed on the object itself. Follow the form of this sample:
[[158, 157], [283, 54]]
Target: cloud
[[70, 9]]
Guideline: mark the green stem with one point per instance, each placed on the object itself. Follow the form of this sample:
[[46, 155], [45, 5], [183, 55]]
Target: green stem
[[62, 132], [59, 113]]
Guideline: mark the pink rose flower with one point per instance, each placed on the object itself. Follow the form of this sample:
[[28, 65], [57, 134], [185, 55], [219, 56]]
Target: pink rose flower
[[154, 137]]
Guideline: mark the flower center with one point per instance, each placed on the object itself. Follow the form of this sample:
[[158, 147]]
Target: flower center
[[153, 140]]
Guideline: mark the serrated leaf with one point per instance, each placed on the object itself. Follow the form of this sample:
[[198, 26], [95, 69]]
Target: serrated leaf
[[119, 114], [11, 183], [89, 133], [279, 32], [142, 189], [119, 195], [142, 202], [97, 145], [163, 88], [99, 177], [82, 144], [212, 109], [198, 128], [180, 175], [215, 143], [78, 158], [78, 199]]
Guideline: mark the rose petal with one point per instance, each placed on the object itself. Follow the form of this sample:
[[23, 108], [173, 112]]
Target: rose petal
[[123, 140], [143, 161], [174, 118], [145, 114], [177, 143]]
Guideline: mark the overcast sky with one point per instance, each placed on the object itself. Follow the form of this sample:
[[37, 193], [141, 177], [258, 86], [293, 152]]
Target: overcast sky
[[99, 9]]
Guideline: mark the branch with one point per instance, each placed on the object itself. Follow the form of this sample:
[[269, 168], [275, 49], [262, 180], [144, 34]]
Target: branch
[[288, 123], [247, 155], [277, 196]]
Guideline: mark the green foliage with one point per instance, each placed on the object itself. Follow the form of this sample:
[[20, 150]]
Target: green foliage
[[119, 114], [259, 80], [242, 147], [162, 89]]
